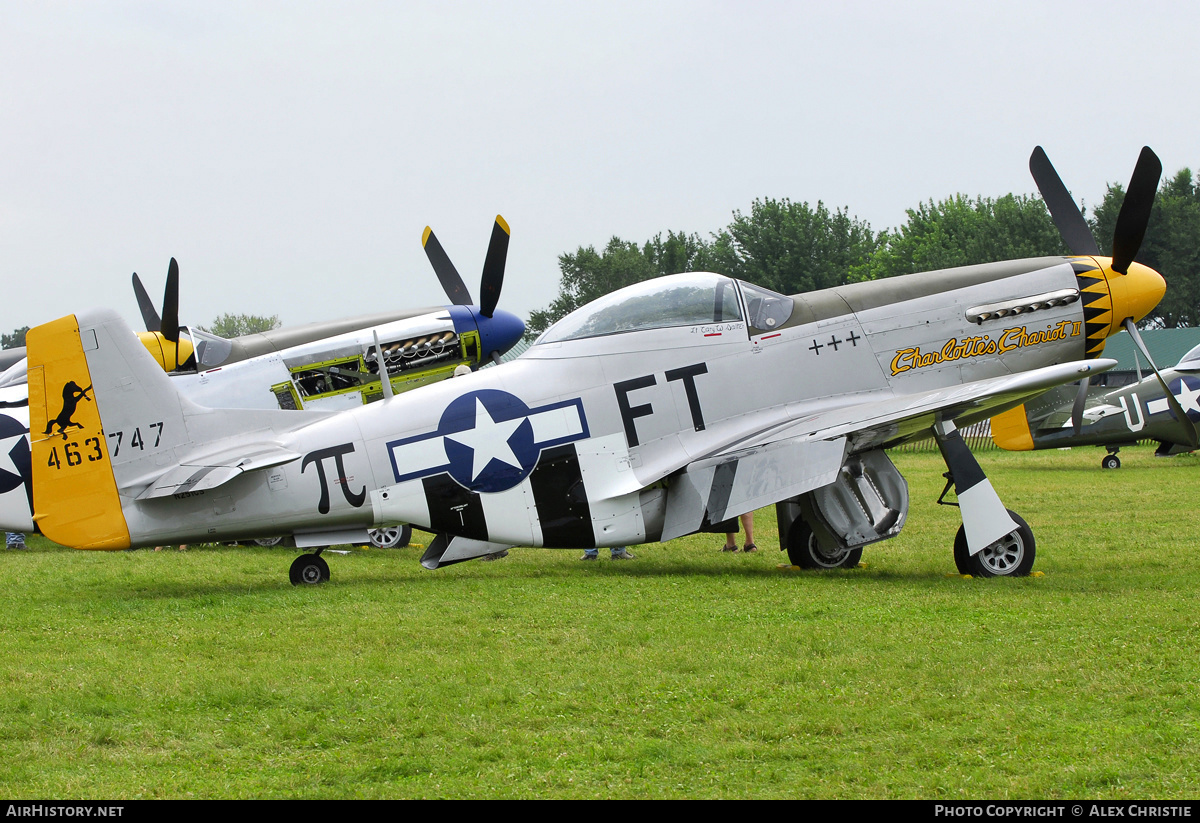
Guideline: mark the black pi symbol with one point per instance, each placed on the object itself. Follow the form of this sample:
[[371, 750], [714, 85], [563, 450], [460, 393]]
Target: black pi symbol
[[355, 499], [71, 394]]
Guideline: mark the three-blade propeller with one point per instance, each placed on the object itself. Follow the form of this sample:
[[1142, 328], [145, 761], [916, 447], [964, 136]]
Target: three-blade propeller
[[1128, 234]]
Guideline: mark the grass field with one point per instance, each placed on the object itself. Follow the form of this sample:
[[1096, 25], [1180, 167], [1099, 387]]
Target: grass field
[[686, 673]]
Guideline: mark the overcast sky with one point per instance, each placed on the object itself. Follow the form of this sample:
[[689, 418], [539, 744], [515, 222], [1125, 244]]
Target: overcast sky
[[290, 154]]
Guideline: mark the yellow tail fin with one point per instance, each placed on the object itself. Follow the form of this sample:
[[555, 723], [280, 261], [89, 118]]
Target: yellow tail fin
[[1010, 430], [75, 500]]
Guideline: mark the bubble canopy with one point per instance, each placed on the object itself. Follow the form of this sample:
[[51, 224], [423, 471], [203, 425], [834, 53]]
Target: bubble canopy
[[676, 300], [1192, 356]]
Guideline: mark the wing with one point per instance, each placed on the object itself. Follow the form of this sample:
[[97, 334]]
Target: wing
[[807, 451]]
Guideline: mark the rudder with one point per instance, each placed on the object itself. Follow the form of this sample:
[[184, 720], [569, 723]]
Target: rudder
[[1011, 430], [75, 499]]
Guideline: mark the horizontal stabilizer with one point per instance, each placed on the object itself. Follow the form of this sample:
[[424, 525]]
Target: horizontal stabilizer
[[207, 473]]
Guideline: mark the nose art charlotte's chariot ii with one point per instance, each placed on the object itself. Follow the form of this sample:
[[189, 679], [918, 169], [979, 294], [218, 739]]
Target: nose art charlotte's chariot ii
[[663, 409]]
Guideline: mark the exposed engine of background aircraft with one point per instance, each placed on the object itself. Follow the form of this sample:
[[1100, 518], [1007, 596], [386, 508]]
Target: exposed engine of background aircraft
[[663, 409]]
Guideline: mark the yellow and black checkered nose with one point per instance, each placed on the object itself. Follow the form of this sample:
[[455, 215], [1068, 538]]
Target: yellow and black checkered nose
[[1109, 297]]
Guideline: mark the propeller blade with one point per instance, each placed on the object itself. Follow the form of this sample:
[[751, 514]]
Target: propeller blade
[[493, 268], [1135, 211], [1063, 211], [1185, 422], [1077, 407], [149, 313], [452, 283], [170, 312]]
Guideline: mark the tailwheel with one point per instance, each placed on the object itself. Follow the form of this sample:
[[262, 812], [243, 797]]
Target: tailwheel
[[1010, 556], [804, 551], [1110, 461], [309, 570]]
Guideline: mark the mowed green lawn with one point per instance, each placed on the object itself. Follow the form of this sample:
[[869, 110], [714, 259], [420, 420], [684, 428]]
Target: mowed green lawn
[[685, 673]]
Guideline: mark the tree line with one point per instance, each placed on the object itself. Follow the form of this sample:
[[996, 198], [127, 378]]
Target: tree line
[[227, 325], [793, 247]]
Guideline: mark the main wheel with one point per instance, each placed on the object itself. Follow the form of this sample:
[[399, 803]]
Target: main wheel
[[390, 537], [1110, 461], [267, 542], [309, 570], [1010, 556], [804, 551]]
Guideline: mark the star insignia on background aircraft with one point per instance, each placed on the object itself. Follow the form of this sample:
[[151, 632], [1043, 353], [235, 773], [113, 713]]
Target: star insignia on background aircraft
[[1187, 392], [14, 454]]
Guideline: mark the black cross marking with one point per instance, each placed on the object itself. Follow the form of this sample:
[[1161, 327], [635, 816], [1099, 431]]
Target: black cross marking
[[816, 347], [854, 338], [833, 341]]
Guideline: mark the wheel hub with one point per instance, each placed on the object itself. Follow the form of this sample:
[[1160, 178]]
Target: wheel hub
[[1004, 555]]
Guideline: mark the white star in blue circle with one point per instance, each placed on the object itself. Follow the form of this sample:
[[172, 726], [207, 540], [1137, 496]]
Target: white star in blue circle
[[488, 440], [1187, 392]]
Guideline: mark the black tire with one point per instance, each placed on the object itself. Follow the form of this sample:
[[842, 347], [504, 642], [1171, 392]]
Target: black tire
[[1110, 461], [803, 551], [390, 537], [1010, 556], [309, 570]]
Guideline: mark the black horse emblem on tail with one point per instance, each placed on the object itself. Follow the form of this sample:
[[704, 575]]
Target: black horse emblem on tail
[[71, 394]]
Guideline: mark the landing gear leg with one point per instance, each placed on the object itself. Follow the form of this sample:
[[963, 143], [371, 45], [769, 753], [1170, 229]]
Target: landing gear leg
[[309, 570], [992, 541]]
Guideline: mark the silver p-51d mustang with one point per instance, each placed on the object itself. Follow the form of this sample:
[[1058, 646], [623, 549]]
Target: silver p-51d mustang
[[663, 409]]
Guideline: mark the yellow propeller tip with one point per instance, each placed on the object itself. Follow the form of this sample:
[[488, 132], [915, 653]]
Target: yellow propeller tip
[[425, 235], [503, 224]]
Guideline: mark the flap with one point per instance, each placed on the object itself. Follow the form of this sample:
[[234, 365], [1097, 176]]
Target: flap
[[719, 488]]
